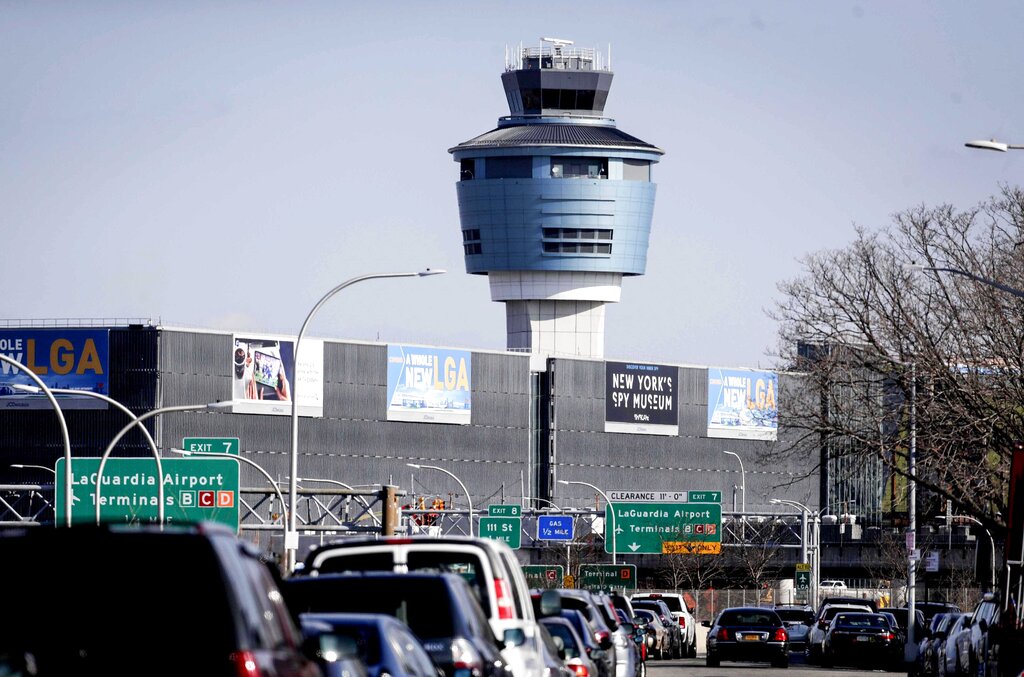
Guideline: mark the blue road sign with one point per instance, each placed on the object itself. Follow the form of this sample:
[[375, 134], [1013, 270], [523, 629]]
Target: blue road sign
[[554, 527]]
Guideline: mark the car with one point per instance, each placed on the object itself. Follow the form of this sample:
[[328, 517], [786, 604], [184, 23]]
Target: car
[[120, 603], [489, 565], [440, 608], [929, 609], [948, 660], [816, 634], [928, 648], [668, 619], [554, 656], [384, 644], [748, 634], [831, 585], [627, 657], [660, 643], [795, 614], [861, 638], [847, 599], [973, 645], [573, 648], [901, 615], [687, 624], [601, 652]]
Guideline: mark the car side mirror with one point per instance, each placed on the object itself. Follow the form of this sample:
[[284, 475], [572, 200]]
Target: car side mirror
[[983, 625], [560, 645], [513, 637], [550, 603]]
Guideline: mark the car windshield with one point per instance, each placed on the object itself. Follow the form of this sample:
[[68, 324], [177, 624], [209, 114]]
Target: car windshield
[[799, 615], [752, 617]]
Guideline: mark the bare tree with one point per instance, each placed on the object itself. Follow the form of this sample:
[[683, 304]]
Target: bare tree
[[690, 565], [755, 560], [875, 337]]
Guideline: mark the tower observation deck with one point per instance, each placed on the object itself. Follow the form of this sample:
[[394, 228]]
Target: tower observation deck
[[556, 202]]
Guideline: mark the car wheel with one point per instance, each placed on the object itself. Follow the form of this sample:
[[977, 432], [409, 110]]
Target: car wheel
[[712, 661]]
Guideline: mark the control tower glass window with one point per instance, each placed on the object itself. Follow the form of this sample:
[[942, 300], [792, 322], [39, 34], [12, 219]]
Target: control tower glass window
[[579, 168], [467, 170]]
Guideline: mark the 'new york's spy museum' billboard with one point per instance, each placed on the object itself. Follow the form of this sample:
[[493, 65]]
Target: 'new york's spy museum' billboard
[[641, 398], [429, 385], [68, 359], [742, 404]]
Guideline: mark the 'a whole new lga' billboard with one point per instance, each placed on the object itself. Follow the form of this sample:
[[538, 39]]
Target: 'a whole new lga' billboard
[[429, 385], [65, 359], [743, 405]]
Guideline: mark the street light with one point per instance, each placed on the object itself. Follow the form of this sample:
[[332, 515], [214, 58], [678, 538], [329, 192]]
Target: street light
[[208, 454], [977, 278], [138, 422], [469, 499], [611, 509], [991, 542], [992, 144], [743, 481], [815, 580], [26, 466], [292, 537], [135, 419], [63, 429]]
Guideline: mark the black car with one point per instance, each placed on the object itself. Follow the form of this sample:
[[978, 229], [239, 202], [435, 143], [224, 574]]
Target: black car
[[748, 634], [861, 639], [929, 609], [139, 600], [441, 609], [382, 643]]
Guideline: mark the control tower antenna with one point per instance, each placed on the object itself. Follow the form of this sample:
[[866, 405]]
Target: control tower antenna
[[556, 202]]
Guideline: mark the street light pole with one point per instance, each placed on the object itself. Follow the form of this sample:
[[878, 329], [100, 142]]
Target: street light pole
[[991, 542], [138, 422], [963, 273], [135, 419], [815, 541], [743, 481], [63, 430], [469, 499], [611, 509], [292, 537], [280, 496]]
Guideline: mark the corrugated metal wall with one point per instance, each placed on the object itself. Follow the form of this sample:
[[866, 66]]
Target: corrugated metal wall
[[582, 451]]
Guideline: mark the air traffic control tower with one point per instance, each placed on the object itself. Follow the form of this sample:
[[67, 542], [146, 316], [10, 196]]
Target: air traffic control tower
[[556, 202]]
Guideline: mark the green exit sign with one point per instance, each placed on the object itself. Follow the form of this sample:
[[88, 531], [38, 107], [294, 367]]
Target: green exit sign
[[211, 445], [508, 529], [704, 496], [504, 511]]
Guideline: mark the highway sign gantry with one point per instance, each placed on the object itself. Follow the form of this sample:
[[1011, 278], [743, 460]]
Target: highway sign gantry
[[195, 490], [665, 528]]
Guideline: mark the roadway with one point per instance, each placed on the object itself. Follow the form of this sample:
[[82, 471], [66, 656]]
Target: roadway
[[694, 667]]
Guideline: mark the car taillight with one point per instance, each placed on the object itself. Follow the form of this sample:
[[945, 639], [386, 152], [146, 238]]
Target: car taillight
[[780, 635], [888, 635], [245, 664], [723, 634], [580, 670], [465, 656], [682, 621], [504, 596]]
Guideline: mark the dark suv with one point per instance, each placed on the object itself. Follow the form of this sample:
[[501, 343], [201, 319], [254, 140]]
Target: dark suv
[[120, 600]]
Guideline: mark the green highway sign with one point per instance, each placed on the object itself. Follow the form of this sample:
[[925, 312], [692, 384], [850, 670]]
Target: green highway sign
[[504, 511], [224, 445], [544, 575], [195, 490], [665, 528], [704, 496], [508, 529], [605, 576]]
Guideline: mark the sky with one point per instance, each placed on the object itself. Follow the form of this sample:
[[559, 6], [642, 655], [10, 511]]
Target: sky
[[223, 165]]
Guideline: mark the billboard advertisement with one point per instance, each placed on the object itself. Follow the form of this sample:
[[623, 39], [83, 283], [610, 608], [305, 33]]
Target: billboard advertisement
[[641, 398], [71, 359], [742, 404], [261, 378], [429, 385]]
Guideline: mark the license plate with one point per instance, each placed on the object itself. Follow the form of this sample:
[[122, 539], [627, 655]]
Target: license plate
[[751, 638], [863, 638]]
